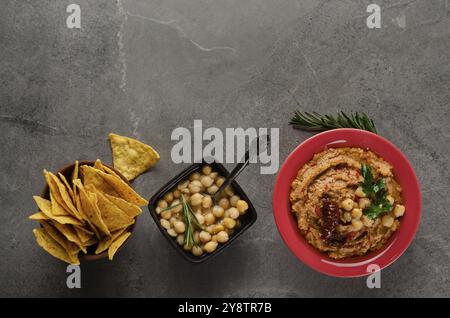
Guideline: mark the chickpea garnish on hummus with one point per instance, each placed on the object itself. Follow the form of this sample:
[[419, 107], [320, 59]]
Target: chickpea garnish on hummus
[[347, 202]]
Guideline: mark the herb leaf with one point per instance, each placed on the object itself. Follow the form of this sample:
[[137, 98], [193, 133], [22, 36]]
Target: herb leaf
[[377, 193], [317, 122], [191, 222]]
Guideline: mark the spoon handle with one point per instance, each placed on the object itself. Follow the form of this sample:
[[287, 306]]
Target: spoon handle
[[242, 165]]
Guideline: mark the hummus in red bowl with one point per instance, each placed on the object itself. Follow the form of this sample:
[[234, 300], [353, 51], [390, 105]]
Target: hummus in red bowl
[[347, 201]]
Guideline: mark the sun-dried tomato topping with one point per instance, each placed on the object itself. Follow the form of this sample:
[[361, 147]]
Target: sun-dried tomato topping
[[330, 220]]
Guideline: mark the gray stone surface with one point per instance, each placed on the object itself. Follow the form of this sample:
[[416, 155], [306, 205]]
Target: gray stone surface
[[142, 68]]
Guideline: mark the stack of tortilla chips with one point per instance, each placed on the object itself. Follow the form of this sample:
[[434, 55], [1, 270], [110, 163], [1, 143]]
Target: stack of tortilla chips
[[95, 208]]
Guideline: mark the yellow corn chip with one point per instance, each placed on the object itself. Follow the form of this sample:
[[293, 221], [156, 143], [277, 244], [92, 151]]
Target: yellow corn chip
[[66, 183], [71, 248], [132, 157], [57, 209], [51, 246], [69, 233], [90, 208], [39, 216], [123, 189], [105, 243], [92, 176], [116, 244], [67, 201], [129, 208], [46, 207]]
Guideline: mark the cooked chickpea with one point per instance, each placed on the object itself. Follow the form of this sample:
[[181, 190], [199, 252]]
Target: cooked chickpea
[[206, 202], [387, 220], [196, 199], [158, 210], [217, 211], [186, 191], [356, 213], [214, 238], [224, 203], [213, 175], [176, 194], [195, 176], [222, 237], [173, 220], [197, 250], [168, 197], [206, 181], [162, 204], [220, 181], [357, 224], [229, 223], [195, 186], [212, 189], [210, 218], [180, 239], [360, 192], [186, 247], [200, 218], [217, 228], [206, 170], [179, 227], [177, 207], [172, 232], [210, 247], [242, 206], [233, 200], [233, 213], [197, 237], [204, 236], [347, 217], [166, 214], [182, 185], [347, 204], [229, 191], [399, 210], [364, 203], [165, 224], [391, 199]]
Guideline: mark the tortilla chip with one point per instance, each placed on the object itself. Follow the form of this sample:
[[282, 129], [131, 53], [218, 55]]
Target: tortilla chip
[[106, 242], [132, 157], [92, 176], [51, 246], [123, 189], [129, 208], [39, 216], [71, 248], [115, 245], [69, 233], [83, 234], [63, 192], [54, 190], [90, 208], [66, 183], [98, 165], [75, 176], [80, 209], [113, 217], [57, 209], [46, 207]]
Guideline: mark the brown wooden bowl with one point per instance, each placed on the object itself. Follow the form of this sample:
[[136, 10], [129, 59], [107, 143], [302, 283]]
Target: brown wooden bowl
[[67, 172]]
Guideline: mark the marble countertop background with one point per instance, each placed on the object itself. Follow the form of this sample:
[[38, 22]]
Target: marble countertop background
[[142, 68]]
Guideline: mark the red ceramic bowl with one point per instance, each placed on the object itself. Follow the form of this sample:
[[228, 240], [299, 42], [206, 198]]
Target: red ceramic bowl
[[287, 223]]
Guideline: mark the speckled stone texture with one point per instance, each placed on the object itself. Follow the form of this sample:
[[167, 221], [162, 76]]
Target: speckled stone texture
[[143, 68]]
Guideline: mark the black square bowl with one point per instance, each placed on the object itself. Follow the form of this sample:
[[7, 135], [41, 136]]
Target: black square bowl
[[246, 220]]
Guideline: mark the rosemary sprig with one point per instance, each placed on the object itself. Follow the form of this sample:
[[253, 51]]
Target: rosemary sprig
[[317, 122], [191, 222]]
